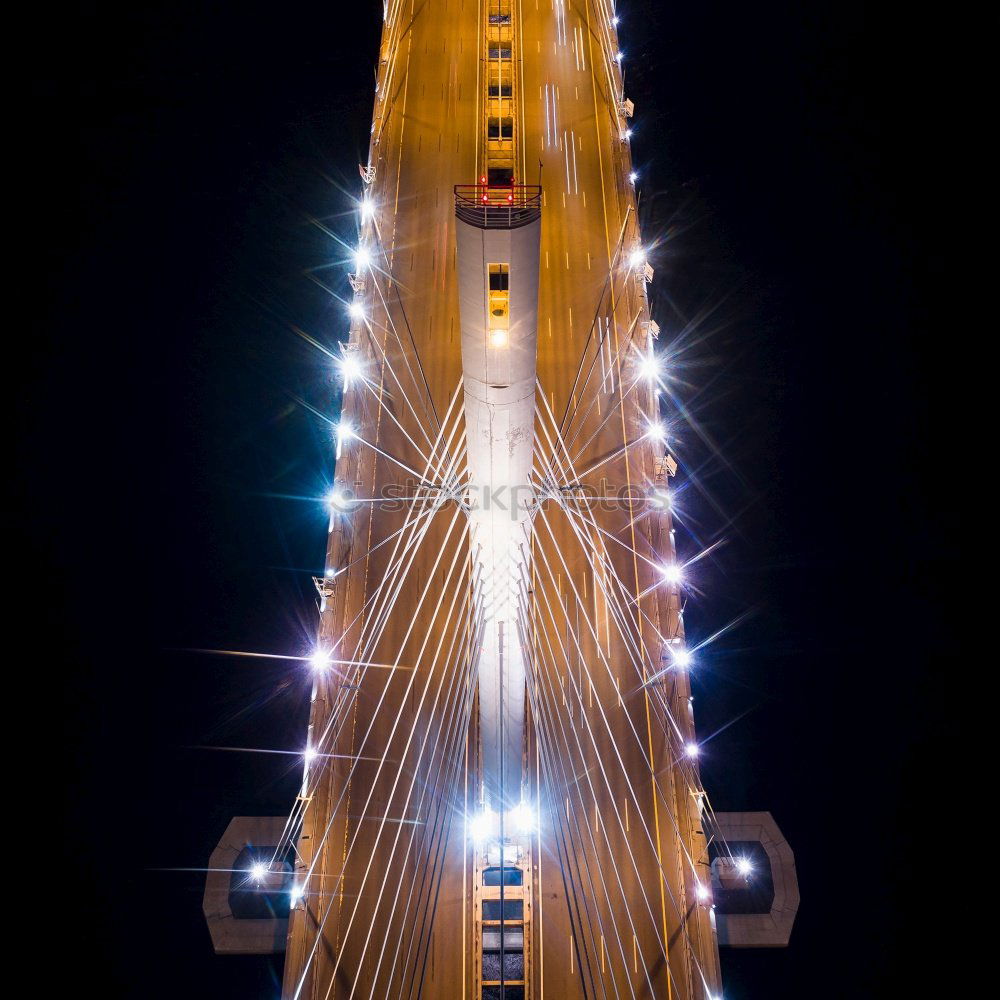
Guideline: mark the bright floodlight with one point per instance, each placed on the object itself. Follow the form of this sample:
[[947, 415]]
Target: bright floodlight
[[649, 367], [355, 310], [297, 892], [656, 431], [702, 892], [638, 256], [692, 750], [628, 133], [350, 367], [522, 818], [344, 433], [744, 867], [633, 177], [309, 754], [367, 208], [498, 338], [481, 826], [683, 658], [362, 259], [661, 499], [320, 659], [615, 20], [619, 56], [336, 500], [673, 573], [258, 870]]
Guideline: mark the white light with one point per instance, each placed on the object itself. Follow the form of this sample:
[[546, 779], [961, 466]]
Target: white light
[[702, 892], [336, 500], [367, 208], [692, 750], [498, 338], [309, 754], [355, 310], [522, 818], [656, 431], [637, 258], [649, 367], [320, 659], [362, 259], [614, 20], [344, 433], [297, 892], [350, 367], [481, 825], [744, 867], [633, 177], [258, 870], [683, 659], [628, 133], [661, 499], [619, 56], [673, 573]]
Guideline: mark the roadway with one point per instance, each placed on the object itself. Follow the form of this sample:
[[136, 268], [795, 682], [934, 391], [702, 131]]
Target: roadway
[[386, 798]]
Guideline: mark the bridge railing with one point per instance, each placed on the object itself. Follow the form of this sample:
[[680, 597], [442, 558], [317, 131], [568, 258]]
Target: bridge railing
[[498, 206]]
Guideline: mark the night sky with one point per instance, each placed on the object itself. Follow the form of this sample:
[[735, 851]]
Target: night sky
[[178, 156]]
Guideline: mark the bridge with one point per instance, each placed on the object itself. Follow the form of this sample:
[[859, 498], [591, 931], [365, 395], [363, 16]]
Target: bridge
[[501, 795]]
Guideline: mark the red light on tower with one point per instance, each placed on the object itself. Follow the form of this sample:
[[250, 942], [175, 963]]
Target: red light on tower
[[485, 198]]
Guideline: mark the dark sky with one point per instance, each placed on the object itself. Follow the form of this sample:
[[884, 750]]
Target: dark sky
[[177, 156]]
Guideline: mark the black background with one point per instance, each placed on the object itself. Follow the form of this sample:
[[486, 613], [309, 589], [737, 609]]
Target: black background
[[178, 160]]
